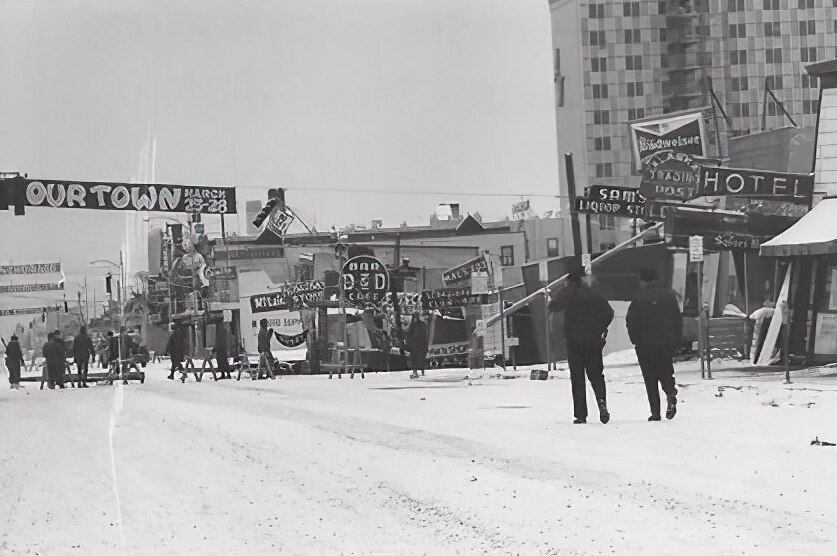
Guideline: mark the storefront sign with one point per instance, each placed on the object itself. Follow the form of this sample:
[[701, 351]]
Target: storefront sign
[[130, 196], [465, 270], [670, 175], [696, 249], [279, 221], [606, 199], [447, 298], [719, 181], [292, 295], [34, 268], [656, 210], [680, 134], [365, 280], [253, 253], [224, 273], [720, 231]]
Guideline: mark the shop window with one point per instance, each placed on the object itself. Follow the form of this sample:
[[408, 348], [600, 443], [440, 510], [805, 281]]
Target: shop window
[[552, 249]]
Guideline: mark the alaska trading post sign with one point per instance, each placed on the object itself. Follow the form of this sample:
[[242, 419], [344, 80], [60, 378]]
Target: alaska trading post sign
[[130, 196]]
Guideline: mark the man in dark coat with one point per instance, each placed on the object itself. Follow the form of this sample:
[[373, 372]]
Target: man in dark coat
[[82, 351], [55, 356], [655, 326], [263, 345], [586, 317], [222, 356], [176, 349], [14, 359], [417, 344]]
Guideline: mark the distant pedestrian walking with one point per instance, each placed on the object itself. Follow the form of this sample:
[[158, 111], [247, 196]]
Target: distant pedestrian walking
[[586, 317], [655, 326], [265, 354], [14, 360], [55, 356], [82, 351], [417, 345], [176, 349], [222, 357]]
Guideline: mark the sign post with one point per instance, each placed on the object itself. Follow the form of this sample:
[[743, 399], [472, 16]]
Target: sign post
[[696, 256], [543, 274]]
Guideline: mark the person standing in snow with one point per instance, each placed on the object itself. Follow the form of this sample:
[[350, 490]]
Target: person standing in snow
[[14, 360], [222, 356], [586, 317], [265, 354], [55, 356], [176, 349], [82, 350], [417, 345], [655, 326]]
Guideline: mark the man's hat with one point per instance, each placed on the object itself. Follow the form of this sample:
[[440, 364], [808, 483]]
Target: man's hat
[[14, 337], [648, 275], [576, 274]]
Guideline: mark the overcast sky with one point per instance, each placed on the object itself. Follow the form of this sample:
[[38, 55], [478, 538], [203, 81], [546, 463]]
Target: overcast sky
[[396, 95]]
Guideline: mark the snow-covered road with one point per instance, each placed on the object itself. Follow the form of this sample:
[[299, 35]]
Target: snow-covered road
[[389, 465]]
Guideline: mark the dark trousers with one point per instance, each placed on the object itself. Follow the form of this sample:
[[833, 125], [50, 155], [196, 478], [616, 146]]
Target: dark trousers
[[14, 373], [175, 366], [585, 358], [55, 374], [657, 372], [418, 360], [82, 366]]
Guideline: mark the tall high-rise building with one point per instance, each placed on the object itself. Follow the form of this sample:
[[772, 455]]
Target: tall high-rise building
[[617, 61]]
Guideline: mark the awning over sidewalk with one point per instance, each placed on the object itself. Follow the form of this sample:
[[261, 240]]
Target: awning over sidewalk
[[814, 234]]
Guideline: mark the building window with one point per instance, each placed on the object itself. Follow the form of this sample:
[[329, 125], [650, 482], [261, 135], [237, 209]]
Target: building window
[[773, 55], [807, 28], [662, 7], [633, 62], [636, 113], [773, 29], [771, 5], [737, 31], [771, 109], [773, 82], [745, 109], [597, 38], [552, 249], [663, 34], [630, 9], [739, 84], [598, 64], [633, 36], [810, 106], [809, 81], [808, 54], [735, 5], [507, 255], [807, 4], [596, 11], [737, 57], [601, 117], [599, 91], [607, 222], [602, 143], [604, 170], [635, 89]]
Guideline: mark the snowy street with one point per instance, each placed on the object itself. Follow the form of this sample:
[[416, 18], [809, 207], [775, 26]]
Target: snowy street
[[389, 465]]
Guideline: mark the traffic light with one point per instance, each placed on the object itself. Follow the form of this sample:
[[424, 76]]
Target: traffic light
[[265, 212], [107, 284], [66, 307], [13, 192]]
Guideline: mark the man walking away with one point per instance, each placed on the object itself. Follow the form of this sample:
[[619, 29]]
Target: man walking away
[[176, 350], [265, 355], [82, 351], [222, 356], [55, 357], [14, 359], [586, 317], [655, 326], [417, 344]]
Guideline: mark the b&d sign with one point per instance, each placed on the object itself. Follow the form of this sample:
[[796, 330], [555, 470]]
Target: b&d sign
[[365, 280], [717, 181]]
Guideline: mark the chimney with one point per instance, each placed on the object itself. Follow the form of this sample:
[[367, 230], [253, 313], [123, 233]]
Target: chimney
[[454, 211]]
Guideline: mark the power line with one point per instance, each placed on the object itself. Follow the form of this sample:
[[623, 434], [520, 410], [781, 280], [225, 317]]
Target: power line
[[402, 192]]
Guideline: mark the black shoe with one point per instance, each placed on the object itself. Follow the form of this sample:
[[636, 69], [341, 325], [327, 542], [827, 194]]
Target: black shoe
[[579, 421], [170, 377], [671, 410], [604, 415], [654, 418]]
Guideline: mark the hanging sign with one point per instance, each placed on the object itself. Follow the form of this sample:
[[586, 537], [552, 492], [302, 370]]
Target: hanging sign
[[447, 298], [365, 280], [480, 282], [252, 253], [27, 311], [130, 196], [670, 175], [279, 221], [292, 295], [465, 270], [227, 315], [719, 181], [696, 249], [34, 268], [26, 288]]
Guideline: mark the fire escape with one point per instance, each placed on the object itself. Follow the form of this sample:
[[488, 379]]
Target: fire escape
[[689, 55]]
